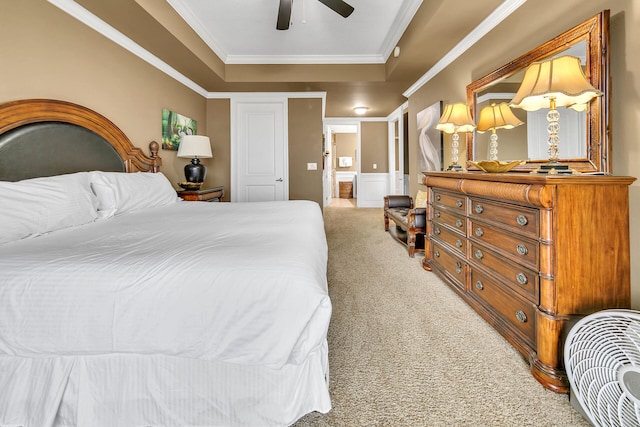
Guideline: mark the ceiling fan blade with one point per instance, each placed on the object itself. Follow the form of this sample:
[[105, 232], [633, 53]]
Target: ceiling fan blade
[[338, 6], [284, 15]]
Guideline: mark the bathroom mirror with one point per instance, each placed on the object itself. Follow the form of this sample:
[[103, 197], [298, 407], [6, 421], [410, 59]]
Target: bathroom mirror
[[584, 136]]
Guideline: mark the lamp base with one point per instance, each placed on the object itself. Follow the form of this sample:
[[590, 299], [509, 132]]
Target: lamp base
[[194, 171], [454, 167], [554, 168]]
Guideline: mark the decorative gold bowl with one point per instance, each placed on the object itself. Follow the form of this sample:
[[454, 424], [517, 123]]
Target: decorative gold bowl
[[191, 186], [496, 166]]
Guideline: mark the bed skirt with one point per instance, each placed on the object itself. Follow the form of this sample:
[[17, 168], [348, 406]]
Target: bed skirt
[[157, 390]]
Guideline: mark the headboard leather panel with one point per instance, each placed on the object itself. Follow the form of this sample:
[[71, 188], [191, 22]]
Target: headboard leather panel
[[43, 137], [54, 148]]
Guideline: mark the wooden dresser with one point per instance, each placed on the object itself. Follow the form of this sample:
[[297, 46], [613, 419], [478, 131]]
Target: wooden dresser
[[531, 253]]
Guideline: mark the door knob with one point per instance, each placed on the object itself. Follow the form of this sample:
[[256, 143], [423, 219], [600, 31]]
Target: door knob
[[279, 180]]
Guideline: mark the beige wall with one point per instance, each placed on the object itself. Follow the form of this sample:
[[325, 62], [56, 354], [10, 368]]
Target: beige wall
[[219, 125], [305, 146], [532, 24], [346, 144], [374, 143]]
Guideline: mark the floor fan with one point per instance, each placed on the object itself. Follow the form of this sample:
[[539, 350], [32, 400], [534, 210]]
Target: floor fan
[[602, 359]]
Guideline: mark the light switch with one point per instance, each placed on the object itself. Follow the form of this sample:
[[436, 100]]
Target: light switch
[[375, 166], [312, 166]]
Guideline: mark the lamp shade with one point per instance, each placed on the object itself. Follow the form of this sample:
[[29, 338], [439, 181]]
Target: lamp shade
[[456, 118], [195, 146], [499, 116], [561, 78]]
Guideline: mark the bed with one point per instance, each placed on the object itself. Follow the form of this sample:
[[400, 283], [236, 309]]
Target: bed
[[121, 305]]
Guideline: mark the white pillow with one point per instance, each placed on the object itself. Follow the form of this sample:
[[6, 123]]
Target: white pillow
[[36, 206], [106, 196], [120, 192]]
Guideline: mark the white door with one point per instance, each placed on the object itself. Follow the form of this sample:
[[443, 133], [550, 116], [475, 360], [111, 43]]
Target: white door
[[328, 172], [396, 157], [260, 152]]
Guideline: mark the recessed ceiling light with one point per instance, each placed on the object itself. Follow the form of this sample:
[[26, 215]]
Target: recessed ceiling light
[[360, 110]]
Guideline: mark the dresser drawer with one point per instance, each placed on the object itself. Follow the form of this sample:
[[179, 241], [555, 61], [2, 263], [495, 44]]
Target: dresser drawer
[[456, 240], [522, 220], [520, 249], [450, 219], [450, 200], [519, 313], [519, 278], [454, 267]]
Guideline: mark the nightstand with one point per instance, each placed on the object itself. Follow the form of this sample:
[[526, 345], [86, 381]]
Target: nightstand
[[207, 195]]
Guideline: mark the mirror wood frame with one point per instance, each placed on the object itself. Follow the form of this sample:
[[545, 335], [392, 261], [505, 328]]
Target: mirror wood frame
[[595, 31]]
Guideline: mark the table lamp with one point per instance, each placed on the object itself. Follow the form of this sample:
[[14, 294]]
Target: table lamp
[[493, 117], [557, 82], [196, 147], [456, 118]]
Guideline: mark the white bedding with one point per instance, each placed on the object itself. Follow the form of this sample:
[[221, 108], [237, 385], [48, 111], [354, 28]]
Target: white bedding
[[218, 286]]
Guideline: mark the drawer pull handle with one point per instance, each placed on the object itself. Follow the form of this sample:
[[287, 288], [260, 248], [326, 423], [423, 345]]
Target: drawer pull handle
[[479, 285], [522, 278], [479, 209], [459, 203], [479, 232], [479, 254], [522, 318], [458, 223], [458, 267], [436, 230], [437, 214], [522, 220], [436, 254], [522, 249], [459, 243], [437, 197]]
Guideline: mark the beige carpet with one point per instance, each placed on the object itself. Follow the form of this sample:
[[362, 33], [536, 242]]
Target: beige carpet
[[404, 350]]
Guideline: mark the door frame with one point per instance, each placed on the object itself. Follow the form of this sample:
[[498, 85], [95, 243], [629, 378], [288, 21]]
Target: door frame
[[397, 117], [339, 125]]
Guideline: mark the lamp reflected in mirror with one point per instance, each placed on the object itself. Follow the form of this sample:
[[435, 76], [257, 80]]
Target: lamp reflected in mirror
[[456, 118], [557, 82], [494, 117]]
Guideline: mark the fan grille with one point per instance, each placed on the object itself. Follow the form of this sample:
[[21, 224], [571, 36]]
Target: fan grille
[[602, 359]]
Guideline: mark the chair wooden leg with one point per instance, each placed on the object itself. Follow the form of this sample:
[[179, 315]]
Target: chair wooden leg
[[411, 242], [386, 222]]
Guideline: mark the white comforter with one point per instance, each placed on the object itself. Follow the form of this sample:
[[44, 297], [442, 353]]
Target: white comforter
[[239, 283]]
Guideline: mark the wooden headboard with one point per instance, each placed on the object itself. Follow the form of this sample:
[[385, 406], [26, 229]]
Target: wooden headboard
[[44, 137]]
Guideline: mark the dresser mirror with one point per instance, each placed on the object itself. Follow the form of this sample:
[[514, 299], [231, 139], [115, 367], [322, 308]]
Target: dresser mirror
[[584, 136]]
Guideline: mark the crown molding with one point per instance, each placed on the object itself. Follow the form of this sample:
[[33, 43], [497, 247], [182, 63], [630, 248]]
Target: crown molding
[[305, 59], [86, 17], [192, 20], [488, 24], [399, 26], [97, 24], [495, 95]]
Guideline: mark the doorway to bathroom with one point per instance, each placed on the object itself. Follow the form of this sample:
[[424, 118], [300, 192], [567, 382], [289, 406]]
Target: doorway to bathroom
[[340, 183]]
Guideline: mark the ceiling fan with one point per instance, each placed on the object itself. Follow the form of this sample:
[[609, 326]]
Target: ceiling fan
[[284, 11]]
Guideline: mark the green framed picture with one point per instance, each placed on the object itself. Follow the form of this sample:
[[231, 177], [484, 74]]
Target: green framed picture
[[174, 126]]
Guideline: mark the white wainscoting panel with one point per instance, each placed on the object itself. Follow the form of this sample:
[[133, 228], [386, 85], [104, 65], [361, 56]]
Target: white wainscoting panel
[[372, 187]]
